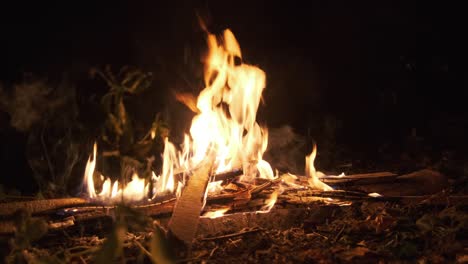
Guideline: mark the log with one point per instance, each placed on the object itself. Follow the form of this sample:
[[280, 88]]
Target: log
[[359, 179], [275, 219], [223, 176], [422, 182], [37, 206]]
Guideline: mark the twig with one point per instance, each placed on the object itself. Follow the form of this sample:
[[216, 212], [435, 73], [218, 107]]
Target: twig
[[213, 251], [339, 234], [266, 185], [144, 250], [320, 235], [85, 250], [83, 260], [231, 235], [112, 153]]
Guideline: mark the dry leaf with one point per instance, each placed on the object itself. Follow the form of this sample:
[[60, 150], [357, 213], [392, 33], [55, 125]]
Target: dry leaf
[[354, 252]]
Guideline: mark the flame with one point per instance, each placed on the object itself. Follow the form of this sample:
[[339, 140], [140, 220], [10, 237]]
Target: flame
[[227, 111], [166, 181], [217, 213], [89, 173], [290, 180], [225, 124], [270, 202], [314, 181], [135, 190]]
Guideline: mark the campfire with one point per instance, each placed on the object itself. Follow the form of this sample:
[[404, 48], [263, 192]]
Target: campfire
[[217, 180], [224, 131]]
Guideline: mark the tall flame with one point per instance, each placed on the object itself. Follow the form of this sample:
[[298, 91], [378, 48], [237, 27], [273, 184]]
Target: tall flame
[[227, 111], [314, 181], [89, 173], [225, 124]]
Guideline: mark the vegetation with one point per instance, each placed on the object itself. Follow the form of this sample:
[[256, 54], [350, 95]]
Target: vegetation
[[60, 127]]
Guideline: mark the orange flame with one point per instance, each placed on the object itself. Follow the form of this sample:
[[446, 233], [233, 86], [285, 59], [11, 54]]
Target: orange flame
[[89, 173], [217, 213], [225, 124], [135, 190], [314, 181], [227, 111], [269, 203]]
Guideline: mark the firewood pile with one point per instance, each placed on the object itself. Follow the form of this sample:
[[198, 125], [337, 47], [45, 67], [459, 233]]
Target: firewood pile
[[243, 221]]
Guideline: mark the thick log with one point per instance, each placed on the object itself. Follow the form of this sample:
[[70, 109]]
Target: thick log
[[275, 219], [37, 206]]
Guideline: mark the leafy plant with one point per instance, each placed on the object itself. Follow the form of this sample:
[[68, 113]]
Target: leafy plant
[[128, 81], [119, 138]]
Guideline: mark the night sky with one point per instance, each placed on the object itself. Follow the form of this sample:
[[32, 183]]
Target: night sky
[[380, 68]]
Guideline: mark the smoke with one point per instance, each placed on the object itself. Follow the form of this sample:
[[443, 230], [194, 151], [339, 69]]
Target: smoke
[[286, 150], [47, 114], [26, 104]]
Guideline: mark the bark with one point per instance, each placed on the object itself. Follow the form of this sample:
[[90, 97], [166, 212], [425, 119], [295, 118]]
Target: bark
[[36, 206]]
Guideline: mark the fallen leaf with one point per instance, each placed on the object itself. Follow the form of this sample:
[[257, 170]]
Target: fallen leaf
[[348, 255]]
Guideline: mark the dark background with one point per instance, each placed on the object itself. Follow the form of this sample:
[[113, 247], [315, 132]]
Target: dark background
[[361, 75]]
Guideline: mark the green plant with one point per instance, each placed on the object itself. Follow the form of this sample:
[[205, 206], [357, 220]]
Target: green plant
[[128, 81]]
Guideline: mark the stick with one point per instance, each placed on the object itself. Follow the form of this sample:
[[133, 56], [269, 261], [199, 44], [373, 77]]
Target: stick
[[240, 233], [356, 179], [184, 221], [223, 176]]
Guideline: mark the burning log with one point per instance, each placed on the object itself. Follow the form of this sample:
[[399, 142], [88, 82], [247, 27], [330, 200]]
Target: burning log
[[244, 194], [290, 200], [223, 176], [359, 179]]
